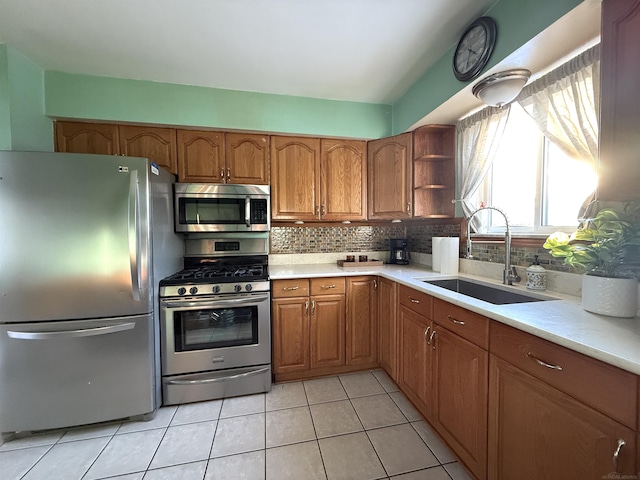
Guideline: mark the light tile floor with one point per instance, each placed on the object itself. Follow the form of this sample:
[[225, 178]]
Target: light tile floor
[[349, 427]]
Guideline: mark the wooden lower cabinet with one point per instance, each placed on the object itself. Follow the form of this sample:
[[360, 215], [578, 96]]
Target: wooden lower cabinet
[[414, 358], [387, 326], [459, 397], [362, 315], [290, 334], [327, 332], [537, 432]]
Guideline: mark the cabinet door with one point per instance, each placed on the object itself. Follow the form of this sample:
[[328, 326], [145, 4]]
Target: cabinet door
[[77, 137], [538, 433], [459, 400], [414, 358], [201, 156], [327, 323], [387, 324], [390, 177], [156, 144], [247, 158], [362, 325], [290, 334], [295, 178], [343, 180], [618, 172]]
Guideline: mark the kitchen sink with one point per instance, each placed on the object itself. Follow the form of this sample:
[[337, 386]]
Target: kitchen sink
[[492, 294]]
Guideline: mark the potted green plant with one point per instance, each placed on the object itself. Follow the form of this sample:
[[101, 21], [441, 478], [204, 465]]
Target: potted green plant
[[607, 248]]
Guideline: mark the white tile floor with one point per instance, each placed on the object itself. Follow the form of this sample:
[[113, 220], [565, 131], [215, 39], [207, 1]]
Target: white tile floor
[[351, 427]]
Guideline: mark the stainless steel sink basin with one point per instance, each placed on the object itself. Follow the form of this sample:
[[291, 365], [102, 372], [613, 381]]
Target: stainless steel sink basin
[[487, 293]]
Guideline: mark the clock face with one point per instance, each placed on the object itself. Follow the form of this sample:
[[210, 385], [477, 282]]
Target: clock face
[[474, 49]]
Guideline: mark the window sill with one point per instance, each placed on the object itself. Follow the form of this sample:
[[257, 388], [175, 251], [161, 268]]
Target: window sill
[[521, 240]]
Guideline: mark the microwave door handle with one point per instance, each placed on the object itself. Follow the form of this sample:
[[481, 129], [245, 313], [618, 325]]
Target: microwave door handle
[[247, 212], [134, 241]]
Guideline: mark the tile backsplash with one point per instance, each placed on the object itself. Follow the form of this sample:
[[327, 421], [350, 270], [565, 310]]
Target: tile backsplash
[[354, 239], [287, 240]]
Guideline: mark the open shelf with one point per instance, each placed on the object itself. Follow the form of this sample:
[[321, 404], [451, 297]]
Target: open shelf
[[434, 171]]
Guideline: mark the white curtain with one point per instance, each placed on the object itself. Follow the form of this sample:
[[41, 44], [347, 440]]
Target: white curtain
[[478, 137], [565, 105]]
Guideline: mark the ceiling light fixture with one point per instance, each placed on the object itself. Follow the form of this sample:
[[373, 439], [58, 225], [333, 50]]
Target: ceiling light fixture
[[501, 88]]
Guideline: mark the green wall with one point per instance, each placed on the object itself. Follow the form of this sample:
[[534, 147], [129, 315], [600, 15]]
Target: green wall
[[24, 87], [518, 22], [23, 125], [120, 100]]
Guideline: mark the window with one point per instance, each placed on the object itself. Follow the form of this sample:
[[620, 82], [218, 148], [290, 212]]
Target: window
[[541, 171], [539, 186]]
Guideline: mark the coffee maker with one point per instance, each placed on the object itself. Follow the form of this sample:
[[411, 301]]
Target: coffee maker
[[399, 251]]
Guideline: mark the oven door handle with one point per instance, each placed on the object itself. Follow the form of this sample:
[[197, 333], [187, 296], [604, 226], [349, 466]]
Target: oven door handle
[[218, 379], [215, 303]]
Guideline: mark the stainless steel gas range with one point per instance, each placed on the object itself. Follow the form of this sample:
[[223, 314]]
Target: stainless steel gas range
[[215, 320]]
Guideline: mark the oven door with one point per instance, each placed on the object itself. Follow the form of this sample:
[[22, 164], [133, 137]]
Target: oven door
[[216, 332]]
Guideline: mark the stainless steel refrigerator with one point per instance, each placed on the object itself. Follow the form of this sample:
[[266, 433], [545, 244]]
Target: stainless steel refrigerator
[[84, 240]]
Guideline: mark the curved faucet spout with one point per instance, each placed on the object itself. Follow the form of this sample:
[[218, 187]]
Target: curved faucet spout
[[509, 274]]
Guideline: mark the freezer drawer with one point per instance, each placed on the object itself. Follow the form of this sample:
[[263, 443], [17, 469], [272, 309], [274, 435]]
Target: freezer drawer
[[61, 374]]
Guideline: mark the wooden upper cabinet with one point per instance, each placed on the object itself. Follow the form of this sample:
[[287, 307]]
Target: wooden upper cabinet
[[201, 156], [390, 178], [156, 144], [619, 169], [295, 173], [77, 137], [343, 180], [247, 158]]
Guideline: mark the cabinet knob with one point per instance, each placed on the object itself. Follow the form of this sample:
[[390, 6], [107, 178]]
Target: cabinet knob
[[222, 174], [426, 334], [228, 175], [409, 208], [290, 288], [313, 307], [328, 286], [323, 210], [432, 341], [413, 300]]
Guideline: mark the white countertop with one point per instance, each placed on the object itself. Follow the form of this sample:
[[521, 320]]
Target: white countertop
[[613, 340]]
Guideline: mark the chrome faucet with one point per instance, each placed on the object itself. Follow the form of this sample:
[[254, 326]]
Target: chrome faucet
[[509, 274]]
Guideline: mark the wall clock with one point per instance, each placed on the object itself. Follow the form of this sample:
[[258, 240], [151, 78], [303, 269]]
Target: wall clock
[[474, 48]]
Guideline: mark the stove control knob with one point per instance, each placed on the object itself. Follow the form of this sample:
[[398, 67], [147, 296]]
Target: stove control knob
[[248, 287], [182, 291], [237, 288], [193, 290], [216, 289]]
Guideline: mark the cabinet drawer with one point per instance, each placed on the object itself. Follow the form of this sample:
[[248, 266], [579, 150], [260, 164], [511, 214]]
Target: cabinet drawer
[[419, 302], [290, 288], [327, 286], [465, 323], [604, 387]]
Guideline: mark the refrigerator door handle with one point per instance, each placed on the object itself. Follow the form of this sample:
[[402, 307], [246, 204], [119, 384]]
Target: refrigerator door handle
[[85, 332], [247, 212], [134, 241], [218, 379]]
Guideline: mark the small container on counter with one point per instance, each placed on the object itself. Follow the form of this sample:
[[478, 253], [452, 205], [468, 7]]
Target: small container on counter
[[536, 276], [351, 258]]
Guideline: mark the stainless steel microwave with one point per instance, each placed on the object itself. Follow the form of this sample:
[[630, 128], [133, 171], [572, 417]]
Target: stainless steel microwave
[[205, 207]]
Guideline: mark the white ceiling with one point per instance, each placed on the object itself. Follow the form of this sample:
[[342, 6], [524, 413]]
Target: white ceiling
[[356, 50]]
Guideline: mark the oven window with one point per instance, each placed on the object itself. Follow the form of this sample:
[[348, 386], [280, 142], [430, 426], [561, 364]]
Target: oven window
[[215, 328], [211, 210]]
